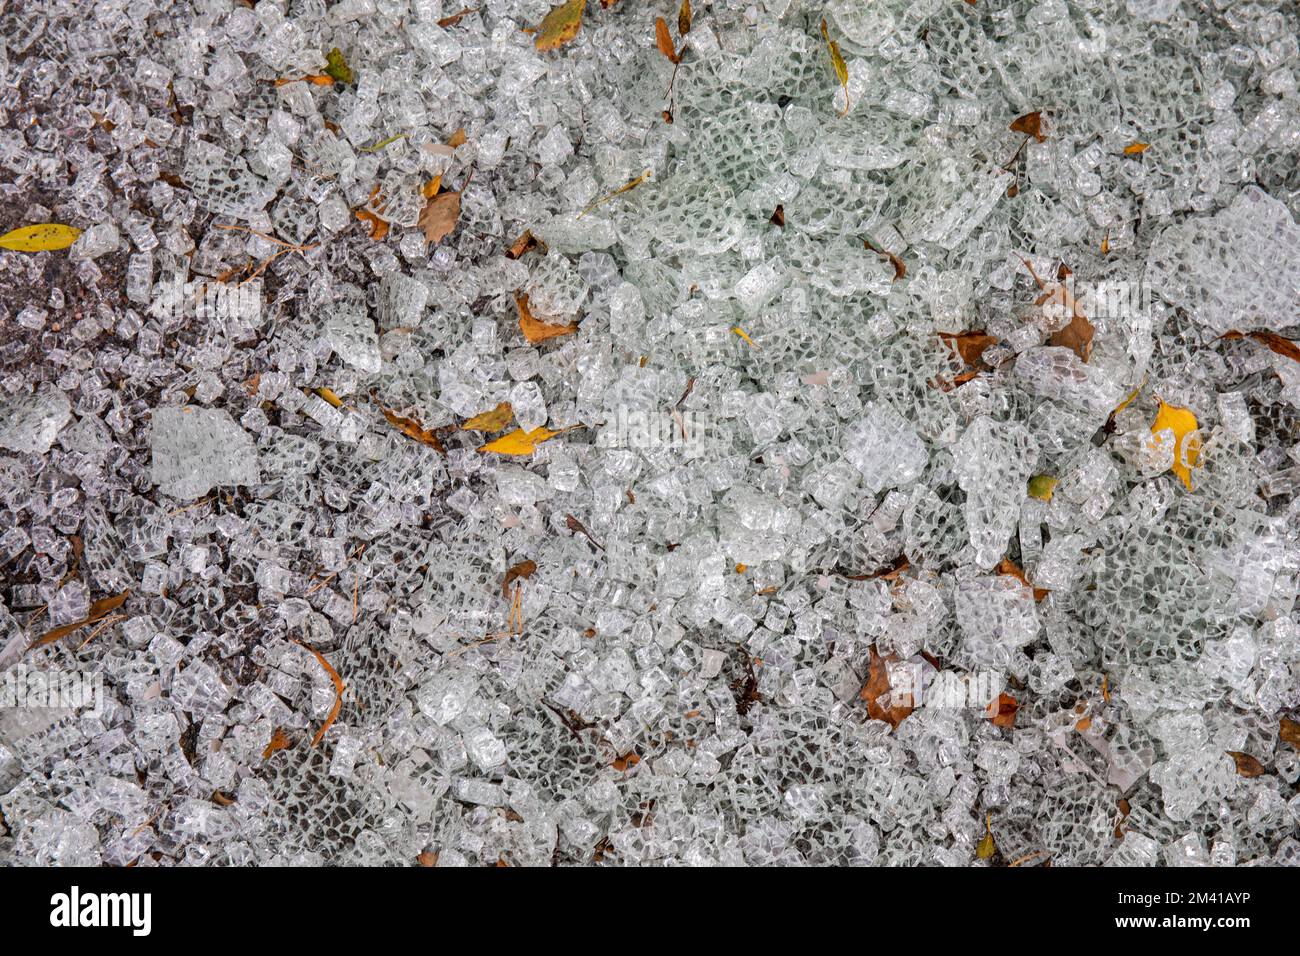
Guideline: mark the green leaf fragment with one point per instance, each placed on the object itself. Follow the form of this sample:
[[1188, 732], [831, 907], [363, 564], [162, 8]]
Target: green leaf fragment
[[337, 68]]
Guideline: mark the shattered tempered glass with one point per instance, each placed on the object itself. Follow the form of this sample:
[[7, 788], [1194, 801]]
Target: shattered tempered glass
[[831, 433]]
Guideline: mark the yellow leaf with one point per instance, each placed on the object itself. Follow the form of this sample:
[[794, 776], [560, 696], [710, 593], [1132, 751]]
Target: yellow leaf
[[492, 421], [40, 238], [1187, 441], [837, 61], [431, 187], [560, 25], [684, 18], [621, 189], [741, 332], [329, 396], [1128, 401], [987, 847], [520, 442], [1042, 487], [1132, 149]]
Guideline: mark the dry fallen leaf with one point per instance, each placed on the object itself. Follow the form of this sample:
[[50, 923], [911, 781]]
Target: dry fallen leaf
[[279, 741], [1042, 487], [664, 41], [1287, 348], [969, 345], [520, 442], [455, 18], [458, 138], [42, 237], [890, 572], [778, 216], [987, 847], [1003, 711], [439, 217], [524, 569], [337, 67], [684, 18], [413, 429], [525, 243], [378, 227], [535, 330], [1077, 335], [1289, 731], [560, 25], [98, 611], [878, 686], [629, 759], [328, 395], [1031, 124], [427, 858], [317, 79], [900, 269], [577, 527], [1011, 569], [492, 421], [1059, 300], [1133, 149], [339, 688], [1247, 766], [837, 61], [1187, 442], [617, 192]]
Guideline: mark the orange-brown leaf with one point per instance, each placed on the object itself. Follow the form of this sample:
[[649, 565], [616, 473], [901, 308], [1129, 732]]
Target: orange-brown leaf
[[664, 41], [890, 572], [427, 858], [900, 268], [878, 686], [1077, 335], [1011, 569], [778, 216], [684, 18], [535, 330], [1031, 124], [629, 759], [1133, 149], [99, 610], [456, 17], [1003, 711], [458, 138], [1284, 347], [1289, 731], [524, 569], [1247, 766], [378, 227], [525, 243], [279, 741], [970, 345], [411, 428], [339, 688]]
